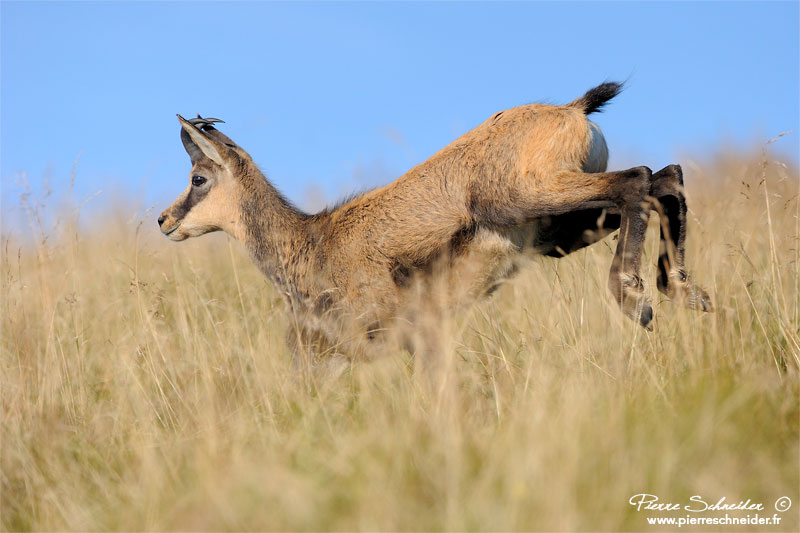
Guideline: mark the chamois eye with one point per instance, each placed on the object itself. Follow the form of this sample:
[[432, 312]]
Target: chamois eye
[[198, 180]]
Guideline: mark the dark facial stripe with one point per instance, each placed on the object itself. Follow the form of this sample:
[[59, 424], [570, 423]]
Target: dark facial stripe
[[195, 196]]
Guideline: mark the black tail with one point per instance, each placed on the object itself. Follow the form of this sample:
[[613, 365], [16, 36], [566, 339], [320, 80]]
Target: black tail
[[596, 98]]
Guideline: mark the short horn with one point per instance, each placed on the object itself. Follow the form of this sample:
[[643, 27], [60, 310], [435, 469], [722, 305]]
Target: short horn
[[201, 122]]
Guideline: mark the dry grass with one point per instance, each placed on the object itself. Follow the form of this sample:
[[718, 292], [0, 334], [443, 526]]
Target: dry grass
[[145, 386]]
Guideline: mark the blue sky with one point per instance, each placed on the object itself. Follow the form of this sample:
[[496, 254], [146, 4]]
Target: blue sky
[[334, 97]]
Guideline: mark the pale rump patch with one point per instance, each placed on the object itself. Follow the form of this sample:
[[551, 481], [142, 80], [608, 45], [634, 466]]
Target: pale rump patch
[[597, 160]]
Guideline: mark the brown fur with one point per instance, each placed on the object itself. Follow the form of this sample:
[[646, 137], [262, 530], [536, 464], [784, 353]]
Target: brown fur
[[532, 178]]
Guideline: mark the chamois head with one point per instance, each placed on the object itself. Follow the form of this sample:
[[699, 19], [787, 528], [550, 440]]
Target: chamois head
[[211, 201]]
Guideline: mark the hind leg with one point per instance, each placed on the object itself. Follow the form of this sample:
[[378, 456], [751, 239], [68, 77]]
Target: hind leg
[[569, 193], [672, 279], [563, 234], [624, 281]]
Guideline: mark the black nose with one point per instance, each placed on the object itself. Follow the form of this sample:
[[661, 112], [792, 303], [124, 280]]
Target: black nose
[[161, 220]]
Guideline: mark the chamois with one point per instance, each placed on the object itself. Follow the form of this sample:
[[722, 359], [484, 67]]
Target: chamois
[[530, 179]]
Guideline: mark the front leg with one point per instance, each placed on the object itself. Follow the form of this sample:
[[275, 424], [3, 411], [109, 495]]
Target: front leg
[[313, 355]]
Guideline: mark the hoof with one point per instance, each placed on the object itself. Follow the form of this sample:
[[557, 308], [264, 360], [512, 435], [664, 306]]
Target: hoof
[[683, 291], [630, 295], [646, 317]]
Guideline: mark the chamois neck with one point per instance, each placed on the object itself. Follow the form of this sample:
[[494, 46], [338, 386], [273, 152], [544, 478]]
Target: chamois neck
[[272, 229]]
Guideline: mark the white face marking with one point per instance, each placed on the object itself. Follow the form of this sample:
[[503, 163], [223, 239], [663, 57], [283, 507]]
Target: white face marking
[[597, 160]]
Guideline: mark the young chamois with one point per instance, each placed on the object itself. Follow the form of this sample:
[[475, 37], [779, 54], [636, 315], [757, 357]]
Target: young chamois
[[530, 179]]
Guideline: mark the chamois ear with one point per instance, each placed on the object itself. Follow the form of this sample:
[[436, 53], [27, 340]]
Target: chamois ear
[[198, 145]]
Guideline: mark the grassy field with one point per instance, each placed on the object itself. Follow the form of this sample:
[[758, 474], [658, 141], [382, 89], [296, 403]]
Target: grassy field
[[146, 386]]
